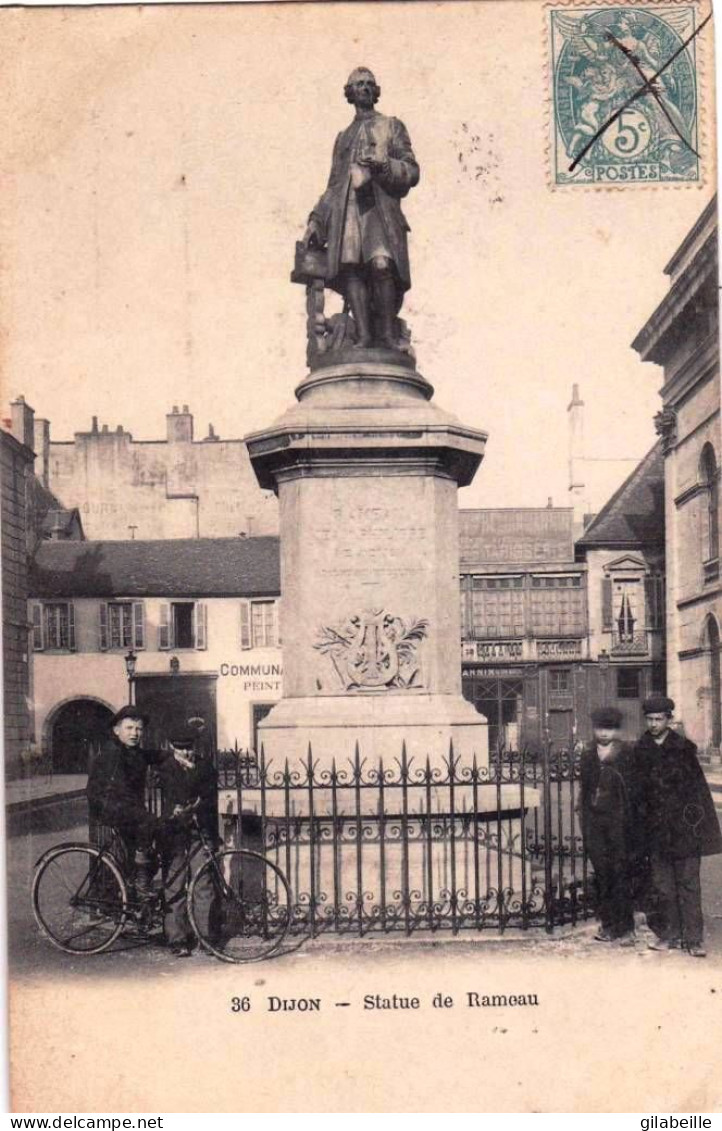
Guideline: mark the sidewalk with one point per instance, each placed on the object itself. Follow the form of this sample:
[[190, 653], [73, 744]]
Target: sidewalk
[[44, 803]]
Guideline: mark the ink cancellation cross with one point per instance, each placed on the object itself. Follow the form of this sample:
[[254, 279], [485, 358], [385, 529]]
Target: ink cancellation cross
[[649, 86]]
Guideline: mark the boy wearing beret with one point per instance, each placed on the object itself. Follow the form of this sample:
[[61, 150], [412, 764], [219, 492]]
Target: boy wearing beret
[[609, 805], [681, 828]]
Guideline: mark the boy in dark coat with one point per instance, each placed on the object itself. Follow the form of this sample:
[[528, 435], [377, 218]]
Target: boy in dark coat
[[116, 792], [681, 827], [609, 805]]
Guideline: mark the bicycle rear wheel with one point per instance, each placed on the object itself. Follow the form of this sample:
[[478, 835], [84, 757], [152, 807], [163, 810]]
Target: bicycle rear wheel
[[239, 905], [79, 899]]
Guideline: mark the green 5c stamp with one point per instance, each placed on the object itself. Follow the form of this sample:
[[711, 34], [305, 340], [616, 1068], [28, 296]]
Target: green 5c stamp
[[625, 95]]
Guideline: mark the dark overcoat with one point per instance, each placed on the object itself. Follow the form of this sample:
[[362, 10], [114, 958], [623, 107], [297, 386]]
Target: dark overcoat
[[181, 786], [116, 783], [392, 142], [612, 790], [681, 818]]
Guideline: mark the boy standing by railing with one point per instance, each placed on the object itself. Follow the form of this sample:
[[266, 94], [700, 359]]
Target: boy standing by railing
[[610, 808]]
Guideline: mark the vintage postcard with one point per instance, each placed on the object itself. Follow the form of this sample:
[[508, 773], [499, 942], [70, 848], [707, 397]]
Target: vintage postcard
[[361, 454]]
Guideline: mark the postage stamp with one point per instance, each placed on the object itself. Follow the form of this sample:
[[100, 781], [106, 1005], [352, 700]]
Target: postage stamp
[[624, 95]]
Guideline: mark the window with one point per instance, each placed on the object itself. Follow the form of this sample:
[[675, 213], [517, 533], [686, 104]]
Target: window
[[560, 681], [122, 625], [557, 605], [497, 607], [54, 626], [709, 477], [554, 581], [625, 606], [259, 624], [183, 624], [627, 683]]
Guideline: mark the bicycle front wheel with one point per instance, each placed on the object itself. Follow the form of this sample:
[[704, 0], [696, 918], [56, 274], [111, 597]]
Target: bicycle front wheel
[[79, 899], [239, 905]]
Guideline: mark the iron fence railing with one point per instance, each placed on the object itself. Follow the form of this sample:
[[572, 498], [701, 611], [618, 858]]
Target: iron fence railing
[[407, 846]]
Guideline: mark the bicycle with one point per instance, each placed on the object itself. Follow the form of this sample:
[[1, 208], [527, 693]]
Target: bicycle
[[83, 900]]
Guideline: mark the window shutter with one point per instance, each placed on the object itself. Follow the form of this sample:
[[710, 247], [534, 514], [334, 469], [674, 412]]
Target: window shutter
[[138, 625], [278, 622], [71, 626], [607, 604], [650, 602], [38, 642], [103, 611], [660, 601], [245, 624], [164, 627], [201, 625]]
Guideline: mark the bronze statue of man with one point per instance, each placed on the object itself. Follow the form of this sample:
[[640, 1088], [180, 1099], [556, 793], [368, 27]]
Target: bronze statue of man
[[359, 219]]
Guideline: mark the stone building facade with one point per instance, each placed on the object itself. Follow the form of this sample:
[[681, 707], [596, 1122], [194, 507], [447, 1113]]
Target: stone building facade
[[623, 550], [17, 456], [201, 616], [682, 335], [178, 487], [29, 513]]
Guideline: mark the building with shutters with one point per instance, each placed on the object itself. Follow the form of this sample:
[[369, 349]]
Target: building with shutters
[[682, 336], [201, 615], [623, 550]]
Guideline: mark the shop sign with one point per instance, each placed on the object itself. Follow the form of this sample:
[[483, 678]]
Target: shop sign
[[499, 650], [559, 649]]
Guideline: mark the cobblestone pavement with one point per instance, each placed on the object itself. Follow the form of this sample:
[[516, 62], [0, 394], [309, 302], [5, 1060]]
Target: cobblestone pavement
[[31, 954]]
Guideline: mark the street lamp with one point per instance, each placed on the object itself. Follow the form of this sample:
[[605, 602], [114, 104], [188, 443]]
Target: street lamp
[[130, 662]]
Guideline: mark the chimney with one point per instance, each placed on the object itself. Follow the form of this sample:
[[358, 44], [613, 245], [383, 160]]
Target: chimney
[[94, 426], [575, 410], [41, 443], [23, 417], [179, 425]]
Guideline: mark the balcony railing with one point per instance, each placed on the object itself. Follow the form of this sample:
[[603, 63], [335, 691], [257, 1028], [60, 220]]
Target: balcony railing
[[630, 644]]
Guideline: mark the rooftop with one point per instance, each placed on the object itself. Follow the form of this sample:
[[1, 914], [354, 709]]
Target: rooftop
[[634, 515], [179, 567]]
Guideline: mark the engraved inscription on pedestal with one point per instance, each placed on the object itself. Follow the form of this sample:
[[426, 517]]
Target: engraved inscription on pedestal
[[375, 651], [371, 542]]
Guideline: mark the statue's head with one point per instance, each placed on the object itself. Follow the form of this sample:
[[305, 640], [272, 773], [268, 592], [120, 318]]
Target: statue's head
[[361, 82]]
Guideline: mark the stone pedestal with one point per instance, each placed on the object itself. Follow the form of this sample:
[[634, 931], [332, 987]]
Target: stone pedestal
[[366, 469]]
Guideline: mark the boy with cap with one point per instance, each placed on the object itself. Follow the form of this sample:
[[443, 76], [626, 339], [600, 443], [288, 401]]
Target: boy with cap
[[116, 791], [609, 805], [681, 827], [189, 789]]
